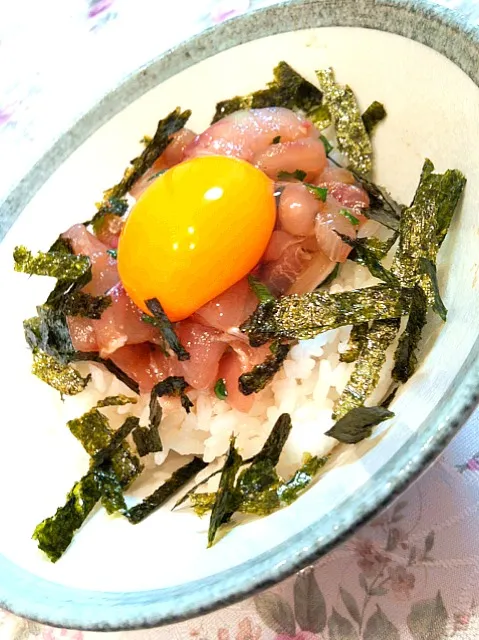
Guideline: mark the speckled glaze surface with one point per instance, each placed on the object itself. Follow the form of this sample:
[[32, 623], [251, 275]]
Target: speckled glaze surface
[[438, 29]]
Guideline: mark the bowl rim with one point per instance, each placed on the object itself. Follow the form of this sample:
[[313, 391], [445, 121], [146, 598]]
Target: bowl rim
[[44, 601]]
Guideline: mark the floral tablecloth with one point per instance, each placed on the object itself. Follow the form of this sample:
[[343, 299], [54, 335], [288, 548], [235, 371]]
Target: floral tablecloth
[[413, 573]]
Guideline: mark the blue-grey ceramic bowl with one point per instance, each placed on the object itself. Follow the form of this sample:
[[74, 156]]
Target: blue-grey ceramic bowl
[[424, 63]]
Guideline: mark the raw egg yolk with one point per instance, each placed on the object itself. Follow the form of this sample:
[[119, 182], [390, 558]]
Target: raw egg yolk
[[197, 230]]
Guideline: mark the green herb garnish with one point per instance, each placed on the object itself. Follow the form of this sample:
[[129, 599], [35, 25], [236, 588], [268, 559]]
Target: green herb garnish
[[288, 89], [221, 392], [60, 265], [321, 193], [357, 424], [356, 342], [260, 290], [373, 115], [256, 379], [297, 174], [349, 216], [367, 370], [305, 316], [113, 253], [160, 320], [154, 501], [351, 133], [405, 359]]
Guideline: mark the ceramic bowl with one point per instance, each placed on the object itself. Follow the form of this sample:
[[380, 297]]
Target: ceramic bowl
[[422, 63]]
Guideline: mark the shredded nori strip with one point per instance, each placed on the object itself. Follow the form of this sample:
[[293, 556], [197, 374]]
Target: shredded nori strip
[[373, 115], [356, 341], [55, 534], [289, 491], [160, 320], [351, 133], [85, 305], [405, 359], [60, 265], [256, 379], [147, 440], [227, 497], [364, 256], [423, 228], [62, 377], [430, 286], [94, 356], [260, 290], [304, 316], [49, 332], [113, 199], [367, 369], [174, 386], [110, 487], [357, 424], [95, 434], [154, 501], [379, 248], [105, 454], [288, 89]]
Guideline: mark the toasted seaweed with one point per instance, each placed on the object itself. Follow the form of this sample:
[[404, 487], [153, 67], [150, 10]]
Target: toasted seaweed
[[429, 284], [60, 264], [154, 501], [356, 341], [227, 497], [221, 392], [62, 377], [362, 254], [366, 372], [256, 379], [329, 279], [423, 228], [116, 440], [260, 290], [95, 434], [351, 134], [357, 424], [114, 199], [48, 332], [276, 440], [85, 305], [111, 488], [160, 320], [147, 440], [373, 115], [405, 359], [328, 147], [173, 386], [304, 316], [55, 534], [297, 174], [288, 89], [290, 490]]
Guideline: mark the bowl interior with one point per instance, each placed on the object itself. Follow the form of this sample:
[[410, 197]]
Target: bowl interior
[[433, 111]]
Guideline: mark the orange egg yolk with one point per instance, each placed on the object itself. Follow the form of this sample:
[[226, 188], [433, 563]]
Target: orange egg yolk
[[197, 230]]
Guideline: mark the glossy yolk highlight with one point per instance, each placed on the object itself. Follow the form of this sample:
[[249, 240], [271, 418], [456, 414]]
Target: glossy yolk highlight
[[197, 230]]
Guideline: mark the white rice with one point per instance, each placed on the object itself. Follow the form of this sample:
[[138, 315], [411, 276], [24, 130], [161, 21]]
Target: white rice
[[307, 386]]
